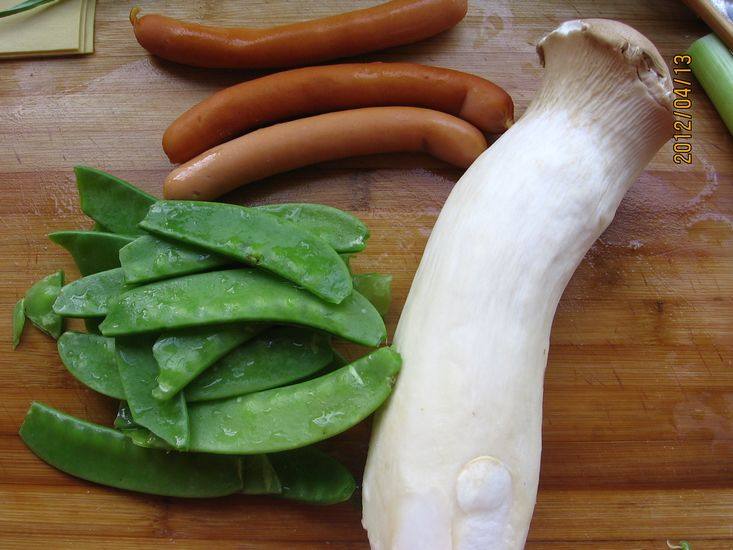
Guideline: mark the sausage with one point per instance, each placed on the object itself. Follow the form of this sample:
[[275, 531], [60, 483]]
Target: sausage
[[384, 26], [330, 136], [312, 90]]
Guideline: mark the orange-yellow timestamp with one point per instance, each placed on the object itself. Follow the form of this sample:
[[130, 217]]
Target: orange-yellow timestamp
[[682, 147]]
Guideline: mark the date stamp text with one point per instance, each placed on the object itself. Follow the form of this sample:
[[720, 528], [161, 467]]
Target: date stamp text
[[682, 147]]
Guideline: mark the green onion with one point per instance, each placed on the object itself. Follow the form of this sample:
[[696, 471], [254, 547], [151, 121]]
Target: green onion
[[712, 64], [23, 6]]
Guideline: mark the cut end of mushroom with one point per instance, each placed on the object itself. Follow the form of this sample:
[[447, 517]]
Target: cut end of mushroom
[[634, 47]]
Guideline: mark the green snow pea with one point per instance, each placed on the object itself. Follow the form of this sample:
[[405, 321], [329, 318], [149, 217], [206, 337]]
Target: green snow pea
[[376, 288], [106, 456], [280, 356], [343, 231], [294, 416], [239, 295], [182, 355], [91, 360], [310, 475], [39, 300], [90, 295], [137, 434], [92, 251], [138, 371], [257, 238], [259, 477], [150, 258], [18, 321], [111, 202]]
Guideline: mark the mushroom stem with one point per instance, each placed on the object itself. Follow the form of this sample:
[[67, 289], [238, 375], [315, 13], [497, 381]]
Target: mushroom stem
[[454, 457]]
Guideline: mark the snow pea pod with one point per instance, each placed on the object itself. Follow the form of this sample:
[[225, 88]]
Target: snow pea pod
[[295, 416], [106, 456], [376, 288], [182, 355], [18, 321], [39, 300], [90, 295], [138, 371], [257, 238], [92, 251], [150, 258], [343, 231], [91, 360], [111, 202], [310, 475], [280, 356], [239, 295]]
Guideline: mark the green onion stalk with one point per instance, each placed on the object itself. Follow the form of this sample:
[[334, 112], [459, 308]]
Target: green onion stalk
[[712, 64]]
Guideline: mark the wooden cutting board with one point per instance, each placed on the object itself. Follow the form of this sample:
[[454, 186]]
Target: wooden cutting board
[[638, 429]]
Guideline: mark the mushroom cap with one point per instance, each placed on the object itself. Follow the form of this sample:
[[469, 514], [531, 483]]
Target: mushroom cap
[[626, 41]]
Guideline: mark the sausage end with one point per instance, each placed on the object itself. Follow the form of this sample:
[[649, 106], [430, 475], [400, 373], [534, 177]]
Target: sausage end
[[133, 15], [492, 110]]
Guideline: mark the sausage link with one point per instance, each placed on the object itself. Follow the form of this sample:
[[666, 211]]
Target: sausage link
[[387, 25], [330, 136], [313, 90]]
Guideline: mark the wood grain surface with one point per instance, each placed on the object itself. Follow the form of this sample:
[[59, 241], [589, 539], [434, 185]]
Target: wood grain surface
[[638, 428]]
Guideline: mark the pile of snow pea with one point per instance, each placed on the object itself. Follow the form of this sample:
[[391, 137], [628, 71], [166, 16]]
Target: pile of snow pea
[[211, 323]]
